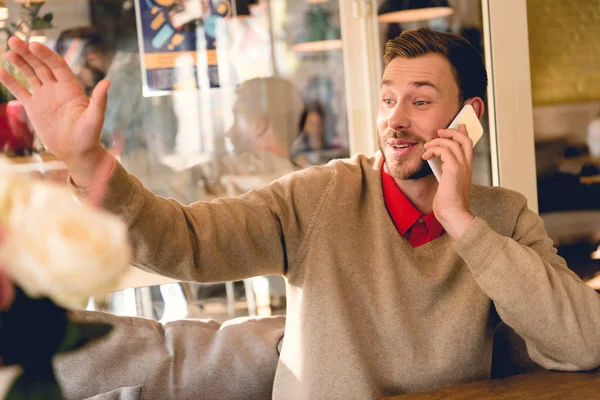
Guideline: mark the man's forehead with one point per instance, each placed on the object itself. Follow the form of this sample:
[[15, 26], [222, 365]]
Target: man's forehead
[[430, 70]]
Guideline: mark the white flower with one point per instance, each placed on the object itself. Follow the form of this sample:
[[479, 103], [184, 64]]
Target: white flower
[[14, 189], [8, 376], [57, 247]]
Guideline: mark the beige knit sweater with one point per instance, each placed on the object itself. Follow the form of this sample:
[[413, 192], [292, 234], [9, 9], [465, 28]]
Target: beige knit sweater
[[368, 314]]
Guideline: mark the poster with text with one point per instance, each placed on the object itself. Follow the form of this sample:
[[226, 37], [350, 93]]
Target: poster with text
[[177, 43]]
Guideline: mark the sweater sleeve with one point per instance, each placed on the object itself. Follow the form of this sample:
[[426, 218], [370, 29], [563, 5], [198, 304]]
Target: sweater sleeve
[[535, 293], [263, 232]]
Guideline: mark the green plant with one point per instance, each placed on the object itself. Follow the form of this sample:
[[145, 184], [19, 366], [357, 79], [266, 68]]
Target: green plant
[[30, 20]]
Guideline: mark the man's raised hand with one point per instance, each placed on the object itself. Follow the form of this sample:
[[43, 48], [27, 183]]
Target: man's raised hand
[[67, 121]]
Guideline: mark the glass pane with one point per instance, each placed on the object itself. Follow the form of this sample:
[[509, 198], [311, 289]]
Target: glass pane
[[173, 116], [463, 17], [564, 57], [308, 52], [209, 98]]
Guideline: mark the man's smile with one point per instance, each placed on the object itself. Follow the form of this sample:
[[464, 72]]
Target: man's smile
[[401, 147]]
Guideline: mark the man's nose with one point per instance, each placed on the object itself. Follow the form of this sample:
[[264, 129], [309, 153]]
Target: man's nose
[[398, 117]]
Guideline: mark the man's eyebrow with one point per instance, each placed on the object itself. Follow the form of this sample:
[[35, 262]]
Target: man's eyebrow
[[424, 83], [385, 82], [417, 84]]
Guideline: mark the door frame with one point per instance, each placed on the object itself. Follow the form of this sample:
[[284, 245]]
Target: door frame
[[510, 108], [362, 72]]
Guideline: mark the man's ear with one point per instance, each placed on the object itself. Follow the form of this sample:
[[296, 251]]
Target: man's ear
[[478, 105]]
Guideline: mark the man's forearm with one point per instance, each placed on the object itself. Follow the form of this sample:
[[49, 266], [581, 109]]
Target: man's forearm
[[536, 294]]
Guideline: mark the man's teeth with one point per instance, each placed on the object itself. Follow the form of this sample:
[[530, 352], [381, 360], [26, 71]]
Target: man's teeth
[[401, 146]]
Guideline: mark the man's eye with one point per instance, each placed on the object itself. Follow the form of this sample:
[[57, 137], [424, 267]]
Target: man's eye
[[421, 103], [388, 101]]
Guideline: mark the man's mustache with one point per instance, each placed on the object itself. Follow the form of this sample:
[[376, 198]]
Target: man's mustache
[[404, 135]]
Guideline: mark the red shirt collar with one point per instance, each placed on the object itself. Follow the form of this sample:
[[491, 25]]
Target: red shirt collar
[[403, 212]]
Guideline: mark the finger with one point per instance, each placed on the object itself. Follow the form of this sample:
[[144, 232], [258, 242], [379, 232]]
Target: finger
[[43, 72], [100, 96], [15, 87], [25, 69], [56, 63], [450, 144], [461, 136], [446, 155]]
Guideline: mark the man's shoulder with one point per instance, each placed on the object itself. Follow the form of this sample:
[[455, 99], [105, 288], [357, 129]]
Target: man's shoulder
[[498, 206], [358, 165], [358, 159], [340, 176], [497, 194], [343, 167]]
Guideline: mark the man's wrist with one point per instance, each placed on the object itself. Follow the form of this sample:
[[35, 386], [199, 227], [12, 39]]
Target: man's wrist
[[457, 226], [91, 169]]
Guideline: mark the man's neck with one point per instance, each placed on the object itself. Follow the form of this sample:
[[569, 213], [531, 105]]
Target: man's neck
[[267, 141], [280, 151], [420, 192]]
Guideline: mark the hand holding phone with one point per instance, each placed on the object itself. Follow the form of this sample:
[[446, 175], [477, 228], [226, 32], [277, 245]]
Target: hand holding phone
[[465, 116]]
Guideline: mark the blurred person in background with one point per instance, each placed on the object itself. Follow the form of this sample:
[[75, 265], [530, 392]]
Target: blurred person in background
[[311, 137], [265, 120]]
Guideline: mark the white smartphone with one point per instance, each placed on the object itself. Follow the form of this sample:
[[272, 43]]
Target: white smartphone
[[465, 116]]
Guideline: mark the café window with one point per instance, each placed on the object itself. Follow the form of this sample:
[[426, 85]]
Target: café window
[[209, 98], [213, 98]]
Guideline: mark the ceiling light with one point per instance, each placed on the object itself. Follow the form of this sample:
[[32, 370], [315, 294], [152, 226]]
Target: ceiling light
[[393, 11]]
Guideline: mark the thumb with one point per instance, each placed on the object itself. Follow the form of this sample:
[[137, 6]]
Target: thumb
[[100, 96]]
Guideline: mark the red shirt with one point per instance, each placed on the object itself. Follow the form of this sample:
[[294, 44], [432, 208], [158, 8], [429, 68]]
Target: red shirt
[[415, 227]]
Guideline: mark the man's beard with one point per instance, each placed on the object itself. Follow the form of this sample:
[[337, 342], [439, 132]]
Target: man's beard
[[397, 172], [423, 172]]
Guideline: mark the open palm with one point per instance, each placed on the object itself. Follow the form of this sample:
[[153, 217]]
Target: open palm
[[63, 117]]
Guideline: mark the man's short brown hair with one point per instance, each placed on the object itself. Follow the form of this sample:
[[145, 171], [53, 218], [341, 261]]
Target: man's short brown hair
[[466, 61]]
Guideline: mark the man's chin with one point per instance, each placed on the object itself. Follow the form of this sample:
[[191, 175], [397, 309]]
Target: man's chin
[[423, 171], [402, 172]]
